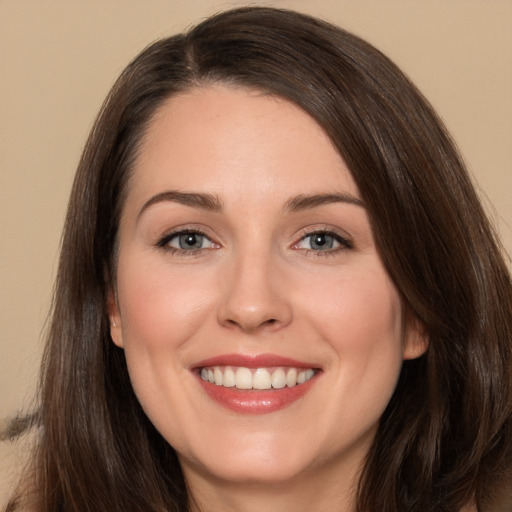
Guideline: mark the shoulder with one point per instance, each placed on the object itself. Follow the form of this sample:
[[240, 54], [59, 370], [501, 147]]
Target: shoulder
[[15, 458], [10, 471]]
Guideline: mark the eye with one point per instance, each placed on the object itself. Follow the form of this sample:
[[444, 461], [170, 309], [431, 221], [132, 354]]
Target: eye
[[186, 241], [323, 241]]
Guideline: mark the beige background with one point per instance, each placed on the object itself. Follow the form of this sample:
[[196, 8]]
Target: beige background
[[59, 58]]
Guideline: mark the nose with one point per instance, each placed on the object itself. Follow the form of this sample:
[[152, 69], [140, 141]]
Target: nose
[[254, 296]]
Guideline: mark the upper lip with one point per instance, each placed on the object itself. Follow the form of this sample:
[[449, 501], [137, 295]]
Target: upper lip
[[252, 361]]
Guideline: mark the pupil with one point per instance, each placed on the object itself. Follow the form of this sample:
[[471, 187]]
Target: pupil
[[320, 240]]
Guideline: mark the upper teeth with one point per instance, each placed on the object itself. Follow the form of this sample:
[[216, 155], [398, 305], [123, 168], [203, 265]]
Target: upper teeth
[[260, 378]]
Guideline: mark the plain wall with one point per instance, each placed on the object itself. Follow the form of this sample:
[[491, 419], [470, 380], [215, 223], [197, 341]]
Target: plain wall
[[59, 58]]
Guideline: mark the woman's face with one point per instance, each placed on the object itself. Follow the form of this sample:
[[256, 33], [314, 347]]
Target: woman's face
[[246, 257]]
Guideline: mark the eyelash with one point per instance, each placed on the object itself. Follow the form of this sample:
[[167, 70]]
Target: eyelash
[[344, 242], [163, 243]]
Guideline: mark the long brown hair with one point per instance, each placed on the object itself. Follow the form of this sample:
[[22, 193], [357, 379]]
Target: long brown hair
[[446, 437]]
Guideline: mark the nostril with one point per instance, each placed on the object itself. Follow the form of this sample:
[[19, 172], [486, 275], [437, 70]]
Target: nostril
[[249, 325]]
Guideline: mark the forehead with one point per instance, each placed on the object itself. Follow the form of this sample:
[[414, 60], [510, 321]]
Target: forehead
[[229, 140]]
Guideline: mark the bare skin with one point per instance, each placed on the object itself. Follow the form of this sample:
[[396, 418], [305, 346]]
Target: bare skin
[[244, 233]]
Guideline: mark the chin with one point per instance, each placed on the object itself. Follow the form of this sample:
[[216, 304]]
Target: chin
[[251, 461], [270, 471]]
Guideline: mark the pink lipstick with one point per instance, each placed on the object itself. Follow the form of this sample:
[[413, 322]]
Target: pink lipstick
[[255, 384]]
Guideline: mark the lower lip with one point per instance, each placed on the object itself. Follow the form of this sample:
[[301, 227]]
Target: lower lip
[[255, 401]]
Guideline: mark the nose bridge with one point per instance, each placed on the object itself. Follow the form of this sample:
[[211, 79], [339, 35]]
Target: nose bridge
[[253, 297]]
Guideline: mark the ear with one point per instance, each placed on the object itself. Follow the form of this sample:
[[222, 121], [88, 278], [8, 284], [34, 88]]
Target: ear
[[416, 339], [116, 332]]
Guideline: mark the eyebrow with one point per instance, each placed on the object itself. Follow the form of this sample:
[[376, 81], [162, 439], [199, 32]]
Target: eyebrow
[[210, 202], [207, 202], [306, 202]]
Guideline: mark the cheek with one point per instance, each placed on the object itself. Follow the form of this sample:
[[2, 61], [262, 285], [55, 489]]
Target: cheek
[[161, 311], [360, 312], [360, 318], [161, 306]]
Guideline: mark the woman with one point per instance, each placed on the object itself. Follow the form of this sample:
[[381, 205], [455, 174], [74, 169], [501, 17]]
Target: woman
[[277, 290]]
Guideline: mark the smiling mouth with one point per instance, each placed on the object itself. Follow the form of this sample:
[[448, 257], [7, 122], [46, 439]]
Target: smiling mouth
[[243, 378]]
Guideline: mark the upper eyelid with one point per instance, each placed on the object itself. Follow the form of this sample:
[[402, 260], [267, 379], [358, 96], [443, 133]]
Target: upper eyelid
[[328, 229], [187, 228], [343, 241], [164, 239], [344, 236]]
